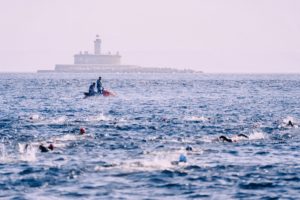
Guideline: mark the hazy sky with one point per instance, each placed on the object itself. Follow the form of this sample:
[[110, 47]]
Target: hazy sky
[[209, 35]]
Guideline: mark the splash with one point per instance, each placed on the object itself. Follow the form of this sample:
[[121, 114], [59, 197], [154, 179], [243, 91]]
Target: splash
[[196, 119], [153, 161], [27, 152], [287, 119], [67, 137], [98, 118], [286, 122], [58, 120], [34, 118], [257, 136]]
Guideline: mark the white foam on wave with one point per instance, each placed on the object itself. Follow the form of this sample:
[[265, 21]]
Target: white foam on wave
[[27, 152], [285, 122], [67, 137], [209, 139], [153, 161], [122, 120], [58, 120], [98, 118], [287, 119], [35, 118], [257, 136], [196, 118], [3, 153]]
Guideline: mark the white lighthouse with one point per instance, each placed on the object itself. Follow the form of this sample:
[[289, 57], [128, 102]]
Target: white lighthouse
[[97, 45], [97, 58]]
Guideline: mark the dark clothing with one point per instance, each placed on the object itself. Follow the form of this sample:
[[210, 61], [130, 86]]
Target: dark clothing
[[225, 139], [92, 89], [99, 86], [243, 135], [43, 148]]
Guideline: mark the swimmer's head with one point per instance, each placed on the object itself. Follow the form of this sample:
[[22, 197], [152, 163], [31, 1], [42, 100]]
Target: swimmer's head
[[82, 131], [189, 148], [182, 158]]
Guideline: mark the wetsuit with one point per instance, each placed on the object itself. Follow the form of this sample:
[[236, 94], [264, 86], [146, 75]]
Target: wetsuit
[[92, 89], [225, 139], [43, 148], [99, 86], [243, 135]]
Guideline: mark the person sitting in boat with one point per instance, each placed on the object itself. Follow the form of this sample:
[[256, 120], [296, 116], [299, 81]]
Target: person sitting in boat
[[92, 89], [99, 85]]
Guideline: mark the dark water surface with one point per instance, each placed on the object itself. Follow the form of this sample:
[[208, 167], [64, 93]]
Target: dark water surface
[[134, 140]]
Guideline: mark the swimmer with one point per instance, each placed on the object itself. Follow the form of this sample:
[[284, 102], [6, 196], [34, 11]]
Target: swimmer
[[82, 131], [290, 123], [243, 135], [44, 149], [34, 117], [226, 139], [182, 159], [27, 148], [189, 148]]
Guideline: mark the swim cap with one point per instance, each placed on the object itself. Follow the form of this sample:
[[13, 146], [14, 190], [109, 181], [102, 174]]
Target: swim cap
[[182, 158], [82, 131], [189, 148], [51, 147]]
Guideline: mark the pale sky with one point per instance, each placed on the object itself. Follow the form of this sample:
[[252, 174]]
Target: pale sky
[[211, 35]]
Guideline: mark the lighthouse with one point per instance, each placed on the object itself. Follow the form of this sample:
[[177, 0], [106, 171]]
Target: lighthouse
[[97, 58], [97, 45]]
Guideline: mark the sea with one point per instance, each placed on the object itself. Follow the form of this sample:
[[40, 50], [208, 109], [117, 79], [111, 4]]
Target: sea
[[157, 138]]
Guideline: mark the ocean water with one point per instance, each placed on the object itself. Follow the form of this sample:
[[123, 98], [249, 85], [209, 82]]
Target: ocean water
[[135, 143]]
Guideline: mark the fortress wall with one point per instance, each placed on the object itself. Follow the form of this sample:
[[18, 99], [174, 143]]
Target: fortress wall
[[91, 67], [97, 59]]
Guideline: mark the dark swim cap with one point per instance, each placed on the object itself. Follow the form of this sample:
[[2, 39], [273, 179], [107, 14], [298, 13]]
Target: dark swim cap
[[82, 131]]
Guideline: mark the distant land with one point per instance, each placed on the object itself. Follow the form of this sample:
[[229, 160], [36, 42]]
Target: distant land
[[85, 62]]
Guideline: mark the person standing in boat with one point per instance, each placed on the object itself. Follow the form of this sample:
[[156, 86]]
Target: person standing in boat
[[92, 89], [99, 85]]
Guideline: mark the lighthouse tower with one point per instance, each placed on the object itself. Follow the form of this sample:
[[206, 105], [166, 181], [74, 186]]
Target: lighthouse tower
[[97, 45]]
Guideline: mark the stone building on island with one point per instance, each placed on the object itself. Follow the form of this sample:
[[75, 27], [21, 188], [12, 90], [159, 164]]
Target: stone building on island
[[98, 62]]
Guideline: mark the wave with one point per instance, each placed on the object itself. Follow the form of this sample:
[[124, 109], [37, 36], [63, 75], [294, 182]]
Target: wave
[[37, 119], [257, 136], [27, 152], [196, 118], [285, 122], [98, 118]]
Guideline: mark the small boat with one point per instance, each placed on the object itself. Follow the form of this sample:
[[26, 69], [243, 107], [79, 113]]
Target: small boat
[[105, 93]]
